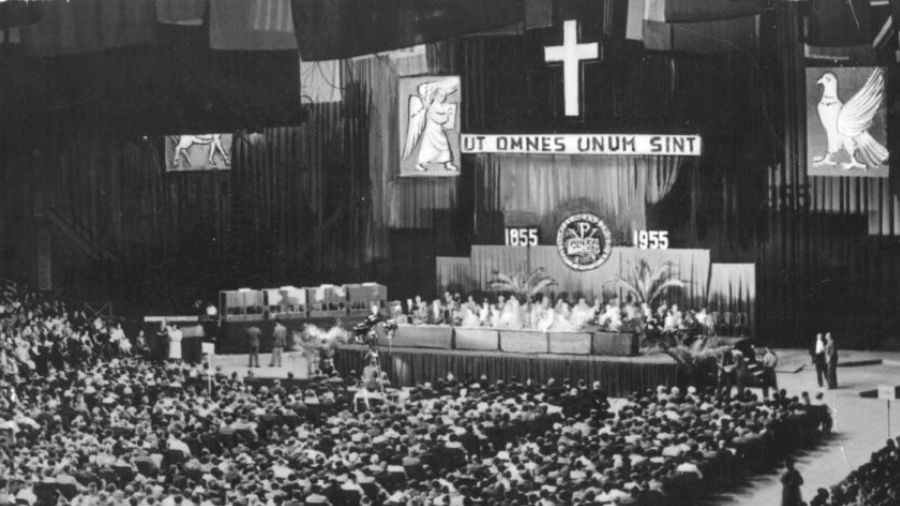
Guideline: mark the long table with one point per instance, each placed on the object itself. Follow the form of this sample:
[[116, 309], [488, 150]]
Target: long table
[[588, 342]]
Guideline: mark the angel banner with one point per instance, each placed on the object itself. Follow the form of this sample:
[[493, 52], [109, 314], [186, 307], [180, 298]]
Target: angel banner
[[429, 126], [846, 122]]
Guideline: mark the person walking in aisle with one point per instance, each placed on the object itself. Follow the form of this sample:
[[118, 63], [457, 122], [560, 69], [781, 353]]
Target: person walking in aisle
[[253, 334], [831, 357], [791, 481], [770, 377], [279, 336], [818, 356]]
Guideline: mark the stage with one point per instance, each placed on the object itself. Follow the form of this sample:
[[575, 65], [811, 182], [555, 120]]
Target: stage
[[619, 375], [293, 362], [409, 366]]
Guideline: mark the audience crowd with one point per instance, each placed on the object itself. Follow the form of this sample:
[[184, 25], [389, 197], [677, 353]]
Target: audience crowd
[[875, 483], [101, 429], [542, 314], [37, 333]]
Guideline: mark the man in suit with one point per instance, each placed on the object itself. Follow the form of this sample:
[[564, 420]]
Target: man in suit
[[253, 334], [819, 359], [831, 358], [279, 336]]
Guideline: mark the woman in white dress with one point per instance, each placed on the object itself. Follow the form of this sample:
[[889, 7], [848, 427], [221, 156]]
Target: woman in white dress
[[175, 336]]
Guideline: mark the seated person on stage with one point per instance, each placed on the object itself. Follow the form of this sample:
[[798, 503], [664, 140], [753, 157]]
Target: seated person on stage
[[669, 324], [678, 315], [397, 313], [436, 314], [496, 317], [646, 312], [470, 317], [539, 313], [630, 310], [581, 314], [420, 313], [702, 317], [610, 318], [511, 318], [484, 314], [563, 310]]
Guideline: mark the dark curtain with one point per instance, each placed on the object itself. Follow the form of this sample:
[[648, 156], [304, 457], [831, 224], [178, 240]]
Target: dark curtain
[[619, 377]]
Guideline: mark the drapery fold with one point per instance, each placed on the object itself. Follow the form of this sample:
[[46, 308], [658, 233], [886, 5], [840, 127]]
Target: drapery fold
[[81, 26], [330, 29], [553, 186], [692, 265], [245, 25], [732, 289], [619, 376]]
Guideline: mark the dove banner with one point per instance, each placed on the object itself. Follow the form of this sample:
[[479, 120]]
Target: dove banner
[[585, 144], [846, 122]]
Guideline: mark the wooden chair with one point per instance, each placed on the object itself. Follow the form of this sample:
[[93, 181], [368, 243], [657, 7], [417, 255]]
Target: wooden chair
[[742, 322], [712, 323], [727, 324]]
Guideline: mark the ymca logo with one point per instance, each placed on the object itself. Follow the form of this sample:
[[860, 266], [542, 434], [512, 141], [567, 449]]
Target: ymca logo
[[584, 241]]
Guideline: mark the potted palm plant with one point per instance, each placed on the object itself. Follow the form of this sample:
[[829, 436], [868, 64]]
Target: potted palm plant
[[522, 285], [647, 285], [698, 362]]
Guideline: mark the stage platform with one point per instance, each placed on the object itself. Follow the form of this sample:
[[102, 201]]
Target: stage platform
[[409, 366], [292, 362]]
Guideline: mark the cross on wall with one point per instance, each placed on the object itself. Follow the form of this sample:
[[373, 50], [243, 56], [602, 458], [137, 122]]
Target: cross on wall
[[571, 54]]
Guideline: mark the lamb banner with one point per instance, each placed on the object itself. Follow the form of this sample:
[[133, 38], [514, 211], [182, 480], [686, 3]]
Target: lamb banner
[[198, 152]]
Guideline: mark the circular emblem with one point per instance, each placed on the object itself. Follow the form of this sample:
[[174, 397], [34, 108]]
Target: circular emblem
[[584, 241]]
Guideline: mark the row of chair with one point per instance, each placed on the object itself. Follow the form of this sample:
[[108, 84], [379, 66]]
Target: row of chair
[[728, 324]]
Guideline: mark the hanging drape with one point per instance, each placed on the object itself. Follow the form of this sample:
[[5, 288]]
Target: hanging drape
[[79, 26], [691, 265], [552, 187], [732, 289]]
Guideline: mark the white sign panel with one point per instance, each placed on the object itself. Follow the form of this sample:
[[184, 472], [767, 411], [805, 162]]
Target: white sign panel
[[584, 144]]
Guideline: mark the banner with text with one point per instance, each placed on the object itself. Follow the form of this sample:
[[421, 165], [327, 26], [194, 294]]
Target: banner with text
[[584, 144]]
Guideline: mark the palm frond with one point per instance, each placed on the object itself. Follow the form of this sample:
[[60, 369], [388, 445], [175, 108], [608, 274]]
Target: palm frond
[[672, 283], [541, 285], [521, 284]]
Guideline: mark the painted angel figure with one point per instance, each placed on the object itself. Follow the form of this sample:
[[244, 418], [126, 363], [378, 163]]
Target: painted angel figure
[[430, 116]]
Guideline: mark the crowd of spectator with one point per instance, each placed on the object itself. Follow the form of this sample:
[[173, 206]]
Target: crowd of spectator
[[543, 314], [38, 334], [108, 430], [875, 483]]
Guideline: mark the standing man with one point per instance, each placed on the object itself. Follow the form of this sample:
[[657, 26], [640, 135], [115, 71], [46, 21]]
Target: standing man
[[770, 379], [279, 336], [831, 357], [819, 358], [253, 334], [791, 482]]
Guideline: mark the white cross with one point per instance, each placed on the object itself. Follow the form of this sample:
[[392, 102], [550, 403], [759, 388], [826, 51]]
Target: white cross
[[571, 53]]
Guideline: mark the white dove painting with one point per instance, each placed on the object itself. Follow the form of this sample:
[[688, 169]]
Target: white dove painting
[[846, 122], [429, 131]]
